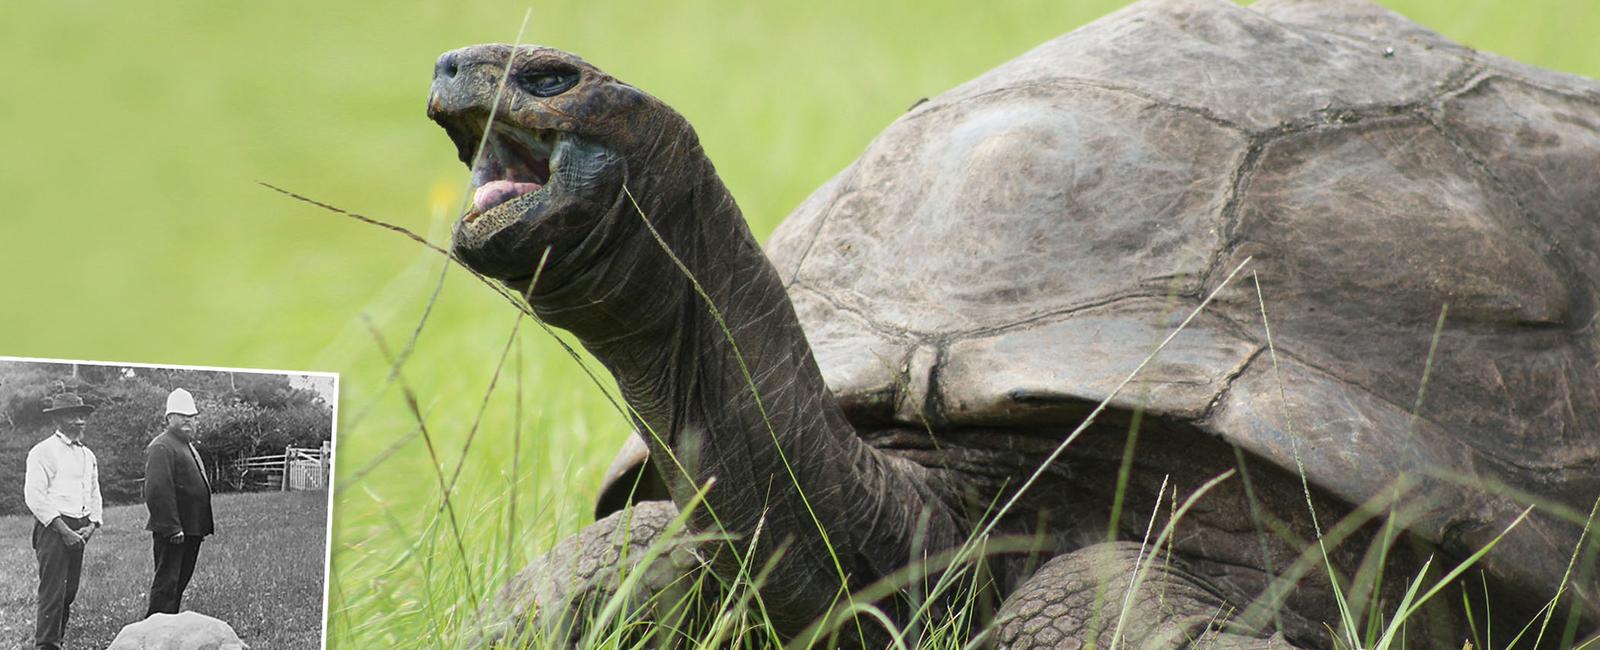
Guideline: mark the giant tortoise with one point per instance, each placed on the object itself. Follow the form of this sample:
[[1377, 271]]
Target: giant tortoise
[[1395, 239]]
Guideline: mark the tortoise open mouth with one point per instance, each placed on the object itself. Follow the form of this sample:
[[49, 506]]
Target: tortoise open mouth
[[513, 162]]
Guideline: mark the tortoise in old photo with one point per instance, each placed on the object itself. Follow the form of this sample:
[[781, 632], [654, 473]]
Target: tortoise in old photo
[[925, 330]]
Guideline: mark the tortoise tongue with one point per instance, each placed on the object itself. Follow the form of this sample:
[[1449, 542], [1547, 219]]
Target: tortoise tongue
[[495, 192]]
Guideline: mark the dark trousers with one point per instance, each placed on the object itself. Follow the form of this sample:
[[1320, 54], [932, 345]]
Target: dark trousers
[[174, 567], [59, 569]]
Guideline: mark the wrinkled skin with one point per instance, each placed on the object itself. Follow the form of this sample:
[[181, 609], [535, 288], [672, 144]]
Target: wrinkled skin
[[931, 322]]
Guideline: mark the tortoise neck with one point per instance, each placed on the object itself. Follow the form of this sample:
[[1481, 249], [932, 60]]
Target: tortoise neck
[[710, 355]]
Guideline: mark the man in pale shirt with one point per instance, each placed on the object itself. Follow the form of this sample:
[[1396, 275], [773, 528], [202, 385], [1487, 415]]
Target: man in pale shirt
[[62, 489]]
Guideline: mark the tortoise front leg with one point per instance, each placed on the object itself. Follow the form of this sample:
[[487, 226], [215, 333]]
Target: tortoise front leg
[[554, 601], [1079, 600]]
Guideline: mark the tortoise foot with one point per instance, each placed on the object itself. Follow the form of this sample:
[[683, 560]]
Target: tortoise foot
[[1081, 600], [623, 576]]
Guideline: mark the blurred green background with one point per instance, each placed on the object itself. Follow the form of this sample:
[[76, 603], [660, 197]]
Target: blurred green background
[[132, 229]]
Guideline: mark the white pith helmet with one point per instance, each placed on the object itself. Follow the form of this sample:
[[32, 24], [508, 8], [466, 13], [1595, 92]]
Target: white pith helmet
[[181, 402]]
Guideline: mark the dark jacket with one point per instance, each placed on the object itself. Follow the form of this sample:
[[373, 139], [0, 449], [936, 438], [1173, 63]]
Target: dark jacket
[[175, 491]]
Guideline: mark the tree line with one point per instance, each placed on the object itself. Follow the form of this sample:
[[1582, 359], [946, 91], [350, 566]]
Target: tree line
[[241, 413]]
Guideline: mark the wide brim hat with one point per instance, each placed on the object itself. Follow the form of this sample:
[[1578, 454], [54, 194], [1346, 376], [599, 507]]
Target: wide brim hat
[[67, 403]]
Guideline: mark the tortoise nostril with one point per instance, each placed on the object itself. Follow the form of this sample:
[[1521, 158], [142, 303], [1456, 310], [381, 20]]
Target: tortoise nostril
[[447, 66]]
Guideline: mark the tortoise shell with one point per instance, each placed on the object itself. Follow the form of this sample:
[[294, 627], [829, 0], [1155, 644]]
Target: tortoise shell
[[1006, 253]]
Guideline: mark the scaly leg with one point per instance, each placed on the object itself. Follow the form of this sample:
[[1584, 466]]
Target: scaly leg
[[1079, 600], [553, 601]]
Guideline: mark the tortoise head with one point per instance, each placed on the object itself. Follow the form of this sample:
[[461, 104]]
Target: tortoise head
[[552, 142]]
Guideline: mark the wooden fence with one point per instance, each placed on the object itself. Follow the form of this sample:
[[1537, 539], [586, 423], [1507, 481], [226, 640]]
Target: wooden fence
[[297, 468]]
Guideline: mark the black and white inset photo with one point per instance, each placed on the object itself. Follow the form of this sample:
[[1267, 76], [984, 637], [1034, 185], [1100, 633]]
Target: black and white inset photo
[[163, 506]]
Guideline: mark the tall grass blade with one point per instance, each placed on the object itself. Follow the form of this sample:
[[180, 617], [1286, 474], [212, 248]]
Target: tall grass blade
[[1571, 627], [1133, 580], [516, 460], [631, 581], [438, 468], [1101, 407], [1400, 618], [1427, 370], [1407, 608], [1161, 540]]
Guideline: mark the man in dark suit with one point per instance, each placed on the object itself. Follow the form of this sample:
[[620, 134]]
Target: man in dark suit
[[178, 493]]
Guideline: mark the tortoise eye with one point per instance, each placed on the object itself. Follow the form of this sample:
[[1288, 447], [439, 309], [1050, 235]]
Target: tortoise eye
[[548, 84]]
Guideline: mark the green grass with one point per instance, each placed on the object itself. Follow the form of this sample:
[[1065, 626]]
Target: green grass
[[133, 134], [261, 573]]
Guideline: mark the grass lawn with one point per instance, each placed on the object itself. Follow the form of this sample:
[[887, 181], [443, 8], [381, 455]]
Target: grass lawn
[[261, 573]]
